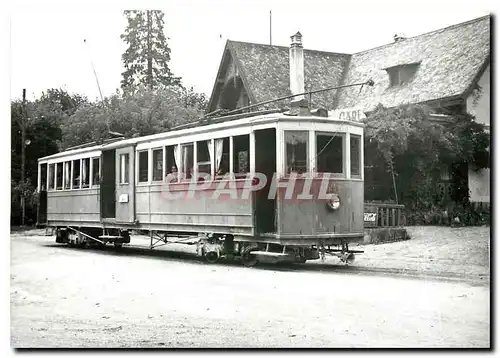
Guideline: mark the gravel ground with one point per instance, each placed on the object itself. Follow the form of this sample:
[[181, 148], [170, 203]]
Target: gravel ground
[[393, 296]]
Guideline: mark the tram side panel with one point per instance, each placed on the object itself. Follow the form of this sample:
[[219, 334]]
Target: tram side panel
[[73, 207], [177, 207], [301, 214]]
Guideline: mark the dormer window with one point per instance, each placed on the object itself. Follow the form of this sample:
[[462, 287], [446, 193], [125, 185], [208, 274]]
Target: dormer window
[[402, 74]]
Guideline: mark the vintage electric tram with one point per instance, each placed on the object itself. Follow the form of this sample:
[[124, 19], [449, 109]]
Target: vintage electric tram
[[256, 187]]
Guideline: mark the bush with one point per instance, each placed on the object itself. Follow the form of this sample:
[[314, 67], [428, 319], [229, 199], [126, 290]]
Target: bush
[[458, 215]]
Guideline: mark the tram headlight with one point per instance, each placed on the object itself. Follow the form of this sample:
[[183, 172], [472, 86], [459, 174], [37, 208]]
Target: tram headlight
[[333, 203]]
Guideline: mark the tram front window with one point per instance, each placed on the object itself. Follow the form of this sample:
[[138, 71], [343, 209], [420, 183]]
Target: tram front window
[[297, 143], [330, 153]]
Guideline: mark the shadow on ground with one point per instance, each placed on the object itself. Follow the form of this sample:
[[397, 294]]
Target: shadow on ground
[[312, 266]]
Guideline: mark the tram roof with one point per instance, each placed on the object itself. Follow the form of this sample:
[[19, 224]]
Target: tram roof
[[202, 126]]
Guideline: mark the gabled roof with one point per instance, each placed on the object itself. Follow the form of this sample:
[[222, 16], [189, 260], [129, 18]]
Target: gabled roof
[[450, 60], [265, 70]]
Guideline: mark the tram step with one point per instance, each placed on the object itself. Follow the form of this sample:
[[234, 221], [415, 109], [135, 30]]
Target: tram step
[[110, 237], [268, 253]]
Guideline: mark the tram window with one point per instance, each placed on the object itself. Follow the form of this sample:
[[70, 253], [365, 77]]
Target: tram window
[[297, 144], [67, 175], [241, 154], [85, 172], [51, 176], [43, 177], [96, 176], [76, 173], [124, 168], [157, 164], [59, 176], [187, 160], [221, 156], [203, 156], [143, 166], [355, 155], [170, 161], [329, 153]]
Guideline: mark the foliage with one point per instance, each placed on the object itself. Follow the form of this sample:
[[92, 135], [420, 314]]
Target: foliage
[[147, 55], [42, 119], [137, 113], [406, 142]]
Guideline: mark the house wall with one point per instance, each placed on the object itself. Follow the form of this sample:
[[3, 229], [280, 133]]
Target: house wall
[[478, 104]]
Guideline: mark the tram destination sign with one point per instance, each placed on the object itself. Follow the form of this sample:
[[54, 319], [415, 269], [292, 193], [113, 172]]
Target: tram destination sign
[[354, 114]]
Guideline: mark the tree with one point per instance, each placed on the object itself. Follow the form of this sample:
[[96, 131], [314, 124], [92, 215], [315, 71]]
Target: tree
[[406, 152], [138, 113], [147, 56], [43, 120]]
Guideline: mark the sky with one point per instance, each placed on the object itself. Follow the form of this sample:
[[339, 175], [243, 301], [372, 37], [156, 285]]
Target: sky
[[47, 48]]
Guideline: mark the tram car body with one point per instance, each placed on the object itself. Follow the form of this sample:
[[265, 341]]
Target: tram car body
[[251, 187]]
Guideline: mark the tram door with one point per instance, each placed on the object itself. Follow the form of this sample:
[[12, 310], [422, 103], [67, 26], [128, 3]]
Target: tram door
[[108, 185], [265, 163], [125, 185]]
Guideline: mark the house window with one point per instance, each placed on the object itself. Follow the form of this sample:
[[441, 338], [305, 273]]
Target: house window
[[330, 153], [296, 151], [124, 168], [96, 171], [401, 75], [187, 160], [203, 155], [241, 155], [51, 176], [85, 172], [143, 166], [67, 175], [59, 176], [355, 155], [157, 164], [76, 173]]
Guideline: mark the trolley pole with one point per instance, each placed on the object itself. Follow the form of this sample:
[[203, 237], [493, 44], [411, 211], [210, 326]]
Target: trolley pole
[[23, 154]]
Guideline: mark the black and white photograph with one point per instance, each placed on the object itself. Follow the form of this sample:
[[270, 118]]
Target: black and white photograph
[[250, 175]]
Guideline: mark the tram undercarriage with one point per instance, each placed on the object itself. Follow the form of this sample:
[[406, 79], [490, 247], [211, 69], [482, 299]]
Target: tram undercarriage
[[212, 247]]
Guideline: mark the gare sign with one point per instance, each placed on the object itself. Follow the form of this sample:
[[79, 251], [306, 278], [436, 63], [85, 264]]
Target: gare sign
[[347, 114]]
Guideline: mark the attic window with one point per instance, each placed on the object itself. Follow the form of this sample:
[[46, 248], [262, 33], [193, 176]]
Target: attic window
[[401, 75]]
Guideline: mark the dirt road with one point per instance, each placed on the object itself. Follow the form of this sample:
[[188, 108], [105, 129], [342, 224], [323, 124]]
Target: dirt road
[[64, 297]]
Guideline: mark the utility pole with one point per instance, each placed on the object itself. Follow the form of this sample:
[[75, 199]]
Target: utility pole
[[270, 28], [23, 155]]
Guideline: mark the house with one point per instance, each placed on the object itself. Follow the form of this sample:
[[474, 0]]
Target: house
[[447, 68]]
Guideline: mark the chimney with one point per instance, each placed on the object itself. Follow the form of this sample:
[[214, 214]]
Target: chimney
[[297, 71], [399, 37]]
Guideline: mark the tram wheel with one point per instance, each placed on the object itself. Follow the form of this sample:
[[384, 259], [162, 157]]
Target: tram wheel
[[248, 259], [301, 260], [211, 257], [118, 245]]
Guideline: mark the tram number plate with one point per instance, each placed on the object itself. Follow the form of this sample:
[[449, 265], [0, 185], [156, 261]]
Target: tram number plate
[[370, 217], [123, 198]]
